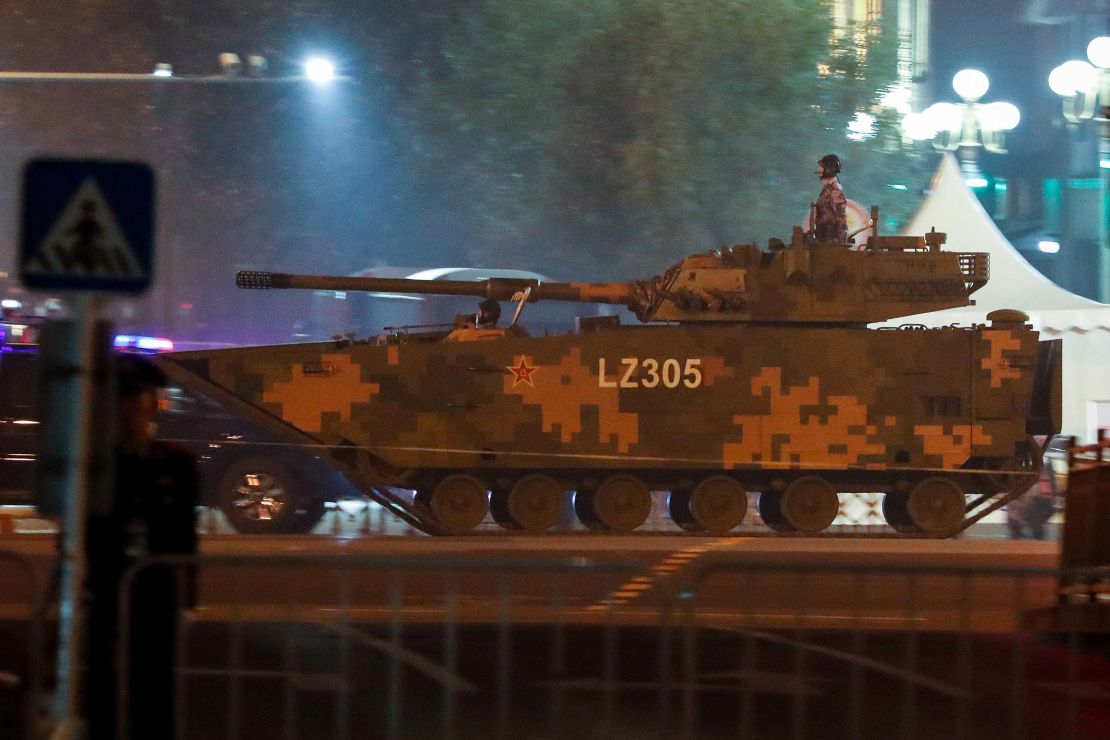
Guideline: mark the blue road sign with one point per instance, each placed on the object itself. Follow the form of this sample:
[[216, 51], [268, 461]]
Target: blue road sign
[[87, 225]]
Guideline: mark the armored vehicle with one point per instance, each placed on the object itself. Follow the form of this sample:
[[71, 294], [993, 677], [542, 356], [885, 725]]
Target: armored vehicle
[[754, 374]]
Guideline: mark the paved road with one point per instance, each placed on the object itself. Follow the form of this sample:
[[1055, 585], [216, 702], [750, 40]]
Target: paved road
[[731, 581]]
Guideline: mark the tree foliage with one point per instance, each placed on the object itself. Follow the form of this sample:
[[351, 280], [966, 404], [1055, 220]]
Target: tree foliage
[[611, 137]]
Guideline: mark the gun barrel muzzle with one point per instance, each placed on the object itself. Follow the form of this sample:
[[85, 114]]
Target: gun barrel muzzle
[[260, 280]]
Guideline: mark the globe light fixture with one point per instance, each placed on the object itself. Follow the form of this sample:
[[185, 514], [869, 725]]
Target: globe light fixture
[[970, 84], [942, 117], [1085, 86], [1000, 116], [1072, 78], [966, 128], [918, 127], [1085, 89], [1098, 51]]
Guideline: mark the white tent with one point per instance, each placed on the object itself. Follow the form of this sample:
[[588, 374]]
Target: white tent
[[1083, 324]]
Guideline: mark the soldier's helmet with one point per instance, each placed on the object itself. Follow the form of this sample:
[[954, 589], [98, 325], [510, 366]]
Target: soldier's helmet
[[489, 313], [828, 166]]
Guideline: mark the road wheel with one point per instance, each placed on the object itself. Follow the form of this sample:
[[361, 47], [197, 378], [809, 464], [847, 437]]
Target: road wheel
[[896, 513], [937, 505], [260, 495], [810, 504], [535, 503], [678, 506], [621, 503], [584, 508], [459, 502], [770, 511], [717, 504]]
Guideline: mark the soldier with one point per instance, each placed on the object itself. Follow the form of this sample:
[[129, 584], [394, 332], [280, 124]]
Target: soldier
[[151, 514], [830, 212], [489, 313]]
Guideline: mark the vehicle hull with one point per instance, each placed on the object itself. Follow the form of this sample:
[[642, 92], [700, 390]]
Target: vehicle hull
[[855, 404]]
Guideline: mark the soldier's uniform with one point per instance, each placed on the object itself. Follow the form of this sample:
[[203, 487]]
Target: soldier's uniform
[[152, 513], [830, 211], [830, 218]]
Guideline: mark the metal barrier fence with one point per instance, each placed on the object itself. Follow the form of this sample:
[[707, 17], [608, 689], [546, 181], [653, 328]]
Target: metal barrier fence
[[21, 624], [373, 646], [725, 646], [903, 652]]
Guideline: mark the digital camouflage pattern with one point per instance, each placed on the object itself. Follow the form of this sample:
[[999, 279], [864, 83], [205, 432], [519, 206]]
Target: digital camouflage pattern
[[797, 410], [714, 398], [830, 213]]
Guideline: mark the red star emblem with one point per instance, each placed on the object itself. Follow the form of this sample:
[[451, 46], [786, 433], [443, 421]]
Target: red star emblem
[[522, 372]]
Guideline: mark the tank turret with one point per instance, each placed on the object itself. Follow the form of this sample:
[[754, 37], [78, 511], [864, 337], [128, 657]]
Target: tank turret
[[800, 282]]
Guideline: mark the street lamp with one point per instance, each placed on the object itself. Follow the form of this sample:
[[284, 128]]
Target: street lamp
[[1085, 88], [319, 69], [232, 70], [967, 127]]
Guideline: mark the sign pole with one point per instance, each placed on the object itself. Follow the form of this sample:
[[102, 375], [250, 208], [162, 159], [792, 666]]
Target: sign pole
[[77, 457], [86, 226]]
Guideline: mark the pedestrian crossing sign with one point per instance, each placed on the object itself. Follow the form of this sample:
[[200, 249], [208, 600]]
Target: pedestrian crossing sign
[[87, 225]]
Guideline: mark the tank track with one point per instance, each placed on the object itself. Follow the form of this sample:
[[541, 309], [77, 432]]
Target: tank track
[[421, 517]]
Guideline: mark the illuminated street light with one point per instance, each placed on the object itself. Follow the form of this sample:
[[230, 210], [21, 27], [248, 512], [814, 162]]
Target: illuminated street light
[[1048, 246], [1085, 88], [917, 127], [319, 69], [967, 127], [232, 70], [970, 84], [1073, 79]]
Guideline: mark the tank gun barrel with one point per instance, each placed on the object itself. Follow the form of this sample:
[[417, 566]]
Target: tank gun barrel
[[499, 289], [803, 282]]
